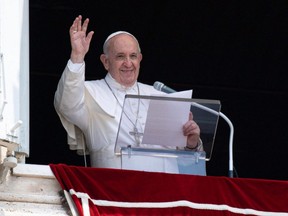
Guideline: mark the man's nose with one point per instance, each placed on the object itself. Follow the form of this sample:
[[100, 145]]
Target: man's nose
[[127, 61]]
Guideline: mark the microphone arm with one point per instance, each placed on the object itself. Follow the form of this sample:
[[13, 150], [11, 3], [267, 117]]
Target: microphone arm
[[231, 167]]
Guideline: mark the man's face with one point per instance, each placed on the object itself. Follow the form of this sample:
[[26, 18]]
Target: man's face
[[123, 59]]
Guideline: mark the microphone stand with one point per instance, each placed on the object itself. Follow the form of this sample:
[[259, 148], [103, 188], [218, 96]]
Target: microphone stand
[[231, 167]]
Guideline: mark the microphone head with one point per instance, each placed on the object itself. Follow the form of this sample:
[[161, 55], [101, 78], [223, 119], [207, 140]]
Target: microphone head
[[158, 85]]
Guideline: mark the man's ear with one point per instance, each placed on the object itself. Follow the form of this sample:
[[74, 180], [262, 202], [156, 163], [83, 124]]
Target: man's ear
[[104, 61]]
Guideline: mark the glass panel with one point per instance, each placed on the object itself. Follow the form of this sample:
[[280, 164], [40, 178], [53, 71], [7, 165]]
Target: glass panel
[[134, 116]]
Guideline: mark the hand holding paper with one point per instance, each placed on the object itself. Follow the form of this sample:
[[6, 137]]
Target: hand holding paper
[[165, 120]]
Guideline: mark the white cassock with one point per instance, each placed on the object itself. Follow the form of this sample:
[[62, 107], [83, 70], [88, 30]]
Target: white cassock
[[90, 114]]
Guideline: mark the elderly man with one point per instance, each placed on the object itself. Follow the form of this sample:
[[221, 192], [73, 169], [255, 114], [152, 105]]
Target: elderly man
[[94, 107]]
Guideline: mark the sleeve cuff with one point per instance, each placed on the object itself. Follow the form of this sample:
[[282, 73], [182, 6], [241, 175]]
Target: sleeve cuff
[[75, 67], [198, 147]]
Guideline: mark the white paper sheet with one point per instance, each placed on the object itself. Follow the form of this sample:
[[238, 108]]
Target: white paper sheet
[[165, 120]]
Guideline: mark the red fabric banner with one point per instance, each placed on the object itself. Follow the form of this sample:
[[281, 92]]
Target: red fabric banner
[[97, 191]]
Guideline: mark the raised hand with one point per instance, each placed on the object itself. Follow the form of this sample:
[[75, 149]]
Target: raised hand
[[80, 42]]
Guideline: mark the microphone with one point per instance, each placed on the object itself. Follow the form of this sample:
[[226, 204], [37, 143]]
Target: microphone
[[161, 87]]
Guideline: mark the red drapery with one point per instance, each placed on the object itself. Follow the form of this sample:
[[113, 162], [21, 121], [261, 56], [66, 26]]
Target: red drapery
[[126, 192]]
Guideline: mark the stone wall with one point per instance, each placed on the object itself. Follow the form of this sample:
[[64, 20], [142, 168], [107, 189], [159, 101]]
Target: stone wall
[[30, 190]]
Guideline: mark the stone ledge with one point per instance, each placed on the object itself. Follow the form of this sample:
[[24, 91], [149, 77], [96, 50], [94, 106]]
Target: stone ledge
[[33, 170], [32, 209], [31, 190]]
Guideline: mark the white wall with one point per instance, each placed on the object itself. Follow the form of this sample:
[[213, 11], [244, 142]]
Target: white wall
[[14, 71]]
